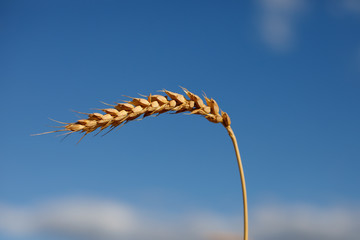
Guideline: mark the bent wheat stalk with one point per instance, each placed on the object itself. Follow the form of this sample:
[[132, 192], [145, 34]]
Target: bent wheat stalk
[[122, 113]]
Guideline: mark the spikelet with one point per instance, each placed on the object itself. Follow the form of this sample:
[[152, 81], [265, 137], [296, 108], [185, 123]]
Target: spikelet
[[122, 113]]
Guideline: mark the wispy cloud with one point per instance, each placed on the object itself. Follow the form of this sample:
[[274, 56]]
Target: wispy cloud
[[86, 218], [282, 222], [351, 5], [73, 217], [343, 7], [101, 219], [277, 22]]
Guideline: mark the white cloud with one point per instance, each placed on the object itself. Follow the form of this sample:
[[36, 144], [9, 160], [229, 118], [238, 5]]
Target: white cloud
[[306, 222], [344, 7], [351, 5], [108, 220], [278, 20], [85, 218], [71, 217]]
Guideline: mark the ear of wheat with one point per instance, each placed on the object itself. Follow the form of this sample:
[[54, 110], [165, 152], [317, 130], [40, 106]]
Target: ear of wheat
[[154, 105]]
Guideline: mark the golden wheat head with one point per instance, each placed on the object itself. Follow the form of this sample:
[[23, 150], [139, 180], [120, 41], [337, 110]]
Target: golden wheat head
[[152, 105]]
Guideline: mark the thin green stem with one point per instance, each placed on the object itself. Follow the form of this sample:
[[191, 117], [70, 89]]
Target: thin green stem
[[233, 138]]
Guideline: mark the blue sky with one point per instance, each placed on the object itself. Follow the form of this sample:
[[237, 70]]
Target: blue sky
[[286, 71]]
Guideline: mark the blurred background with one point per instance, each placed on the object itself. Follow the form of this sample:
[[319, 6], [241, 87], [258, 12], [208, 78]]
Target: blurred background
[[286, 71]]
